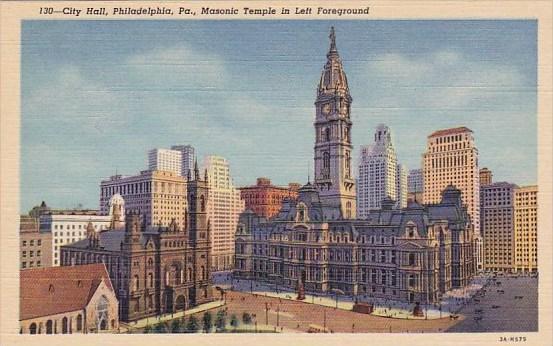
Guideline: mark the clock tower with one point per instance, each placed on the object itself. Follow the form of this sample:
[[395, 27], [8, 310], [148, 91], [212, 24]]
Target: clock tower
[[333, 148]]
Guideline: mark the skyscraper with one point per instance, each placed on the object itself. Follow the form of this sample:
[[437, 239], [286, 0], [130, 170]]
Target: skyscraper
[[333, 148], [165, 160], [451, 158], [159, 196], [188, 157], [224, 206], [526, 229], [401, 185], [415, 185], [485, 176], [378, 175], [497, 203]]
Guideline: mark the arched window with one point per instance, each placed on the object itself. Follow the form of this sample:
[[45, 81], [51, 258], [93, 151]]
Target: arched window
[[49, 326], [348, 165], [135, 283], [327, 134], [326, 165], [150, 280], [32, 328], [64, 325], [203, 273], [102, 312], [79, 322]]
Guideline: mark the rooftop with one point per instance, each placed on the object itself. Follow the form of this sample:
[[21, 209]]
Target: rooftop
[[451, 131], [54, 290]]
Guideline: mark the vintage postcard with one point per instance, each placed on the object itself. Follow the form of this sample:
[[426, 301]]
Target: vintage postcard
[[317, 172]]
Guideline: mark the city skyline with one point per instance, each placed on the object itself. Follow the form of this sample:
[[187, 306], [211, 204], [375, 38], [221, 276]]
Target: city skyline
[[160, 91]]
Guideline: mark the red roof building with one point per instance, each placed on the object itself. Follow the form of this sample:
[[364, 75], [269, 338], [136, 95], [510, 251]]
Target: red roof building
[[77, 299]]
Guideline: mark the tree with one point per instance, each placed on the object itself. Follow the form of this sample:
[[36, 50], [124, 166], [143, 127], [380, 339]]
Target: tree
[[192, 326], [148, 329], [176, 326], [160, 328], [234, 321], [246, 318], [220, 321], [207, 322]]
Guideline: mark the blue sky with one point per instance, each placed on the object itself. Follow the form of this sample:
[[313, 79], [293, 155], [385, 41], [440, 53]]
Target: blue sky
[[96, 95]]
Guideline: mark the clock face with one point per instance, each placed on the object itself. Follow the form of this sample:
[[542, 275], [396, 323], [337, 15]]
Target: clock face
[[326, 109]]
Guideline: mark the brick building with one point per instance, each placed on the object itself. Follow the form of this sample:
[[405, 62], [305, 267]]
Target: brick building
[[266, 199], [35, 248]]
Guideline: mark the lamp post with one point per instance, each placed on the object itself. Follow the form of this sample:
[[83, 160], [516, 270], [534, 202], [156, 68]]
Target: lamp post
[[324, 319], [266, 313], [278, 314]]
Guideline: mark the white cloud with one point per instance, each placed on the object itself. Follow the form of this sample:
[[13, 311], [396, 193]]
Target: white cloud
[[443, 79]]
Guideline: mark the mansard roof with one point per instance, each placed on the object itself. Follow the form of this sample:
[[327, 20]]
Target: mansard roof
[[317, 210]]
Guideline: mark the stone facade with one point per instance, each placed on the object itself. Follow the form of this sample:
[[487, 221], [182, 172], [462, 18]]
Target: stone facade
[[333, 146], [154, 270], [413, 254], [265, 199], [316, 243]]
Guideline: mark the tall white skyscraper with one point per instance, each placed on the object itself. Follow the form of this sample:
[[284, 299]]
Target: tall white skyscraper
[[188, 157], [401, 185], [378, 173], [165, 160], [224, 206]]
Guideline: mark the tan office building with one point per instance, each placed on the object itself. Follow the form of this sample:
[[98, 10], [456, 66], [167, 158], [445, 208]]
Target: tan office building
[[526, 229], [224, 207], [451, 158], [35, 249], [486, 177], [159, 196]]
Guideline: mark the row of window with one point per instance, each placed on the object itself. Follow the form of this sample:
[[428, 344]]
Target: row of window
[[31, 242]]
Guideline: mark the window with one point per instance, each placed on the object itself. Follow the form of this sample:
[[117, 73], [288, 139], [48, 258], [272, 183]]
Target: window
[[32, 328], [24, 254], [24, 243], [39, 242], [79, 322], [32, 242]]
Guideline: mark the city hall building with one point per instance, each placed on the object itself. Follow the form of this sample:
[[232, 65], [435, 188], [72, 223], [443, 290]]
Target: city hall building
[[316, 243]]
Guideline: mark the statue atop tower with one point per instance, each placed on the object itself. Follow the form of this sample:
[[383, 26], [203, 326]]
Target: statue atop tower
[[333, 148]]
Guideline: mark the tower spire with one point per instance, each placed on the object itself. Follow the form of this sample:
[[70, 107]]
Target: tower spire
[[332, 38], [196, 170]]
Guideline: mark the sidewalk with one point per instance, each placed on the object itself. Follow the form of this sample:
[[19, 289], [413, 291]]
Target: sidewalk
[[125, 327]]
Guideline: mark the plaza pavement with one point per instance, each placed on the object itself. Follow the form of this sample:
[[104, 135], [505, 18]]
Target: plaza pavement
[[508, 304], [451, 303]]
